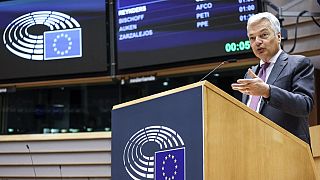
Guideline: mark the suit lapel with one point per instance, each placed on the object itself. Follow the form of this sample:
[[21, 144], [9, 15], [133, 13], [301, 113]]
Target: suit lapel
[[276, 70]]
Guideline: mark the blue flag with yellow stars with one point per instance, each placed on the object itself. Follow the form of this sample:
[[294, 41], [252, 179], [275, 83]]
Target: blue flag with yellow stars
[[170, 164], [62, 44]]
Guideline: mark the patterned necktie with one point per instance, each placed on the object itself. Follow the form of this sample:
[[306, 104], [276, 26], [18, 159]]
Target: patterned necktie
[[262, 74]]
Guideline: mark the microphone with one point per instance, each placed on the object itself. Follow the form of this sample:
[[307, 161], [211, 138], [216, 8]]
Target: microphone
[[60, 172], [213, 70], [34, 169]]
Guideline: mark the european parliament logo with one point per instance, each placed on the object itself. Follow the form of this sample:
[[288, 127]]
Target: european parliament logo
[[170, 164], [166, 162], [62, 40]]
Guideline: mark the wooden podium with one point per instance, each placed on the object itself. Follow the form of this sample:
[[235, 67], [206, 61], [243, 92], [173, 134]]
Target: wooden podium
[[222, 139]]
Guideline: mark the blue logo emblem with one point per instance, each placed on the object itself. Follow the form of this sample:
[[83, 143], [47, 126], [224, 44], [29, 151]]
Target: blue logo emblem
[[170, 164], [167, 162], [62, 44], [62, 41]]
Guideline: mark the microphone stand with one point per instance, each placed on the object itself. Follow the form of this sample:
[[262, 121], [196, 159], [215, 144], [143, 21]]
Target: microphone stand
[[223, 62], [34, 169]]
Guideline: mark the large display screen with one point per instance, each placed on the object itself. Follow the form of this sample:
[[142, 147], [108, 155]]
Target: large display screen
[[46, 38], [168, 31]]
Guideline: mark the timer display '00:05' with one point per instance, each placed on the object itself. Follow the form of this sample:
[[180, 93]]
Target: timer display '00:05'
[[236, 47]]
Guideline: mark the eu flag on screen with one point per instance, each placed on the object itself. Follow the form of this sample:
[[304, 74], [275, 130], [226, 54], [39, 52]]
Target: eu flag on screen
[[62, 44], [170, 164]]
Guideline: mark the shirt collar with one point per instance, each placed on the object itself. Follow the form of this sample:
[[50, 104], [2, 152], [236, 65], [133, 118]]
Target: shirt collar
[[273, 59]]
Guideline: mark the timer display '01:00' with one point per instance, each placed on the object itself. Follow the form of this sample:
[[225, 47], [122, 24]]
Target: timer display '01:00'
[[236, 47]]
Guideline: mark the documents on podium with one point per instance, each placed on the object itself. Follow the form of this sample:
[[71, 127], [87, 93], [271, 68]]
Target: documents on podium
[[199, 132]]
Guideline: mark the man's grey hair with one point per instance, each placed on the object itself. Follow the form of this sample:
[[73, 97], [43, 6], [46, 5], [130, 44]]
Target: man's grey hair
[[275, 24]]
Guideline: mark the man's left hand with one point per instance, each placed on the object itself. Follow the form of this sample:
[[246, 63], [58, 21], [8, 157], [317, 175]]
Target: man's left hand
[[255, 86]]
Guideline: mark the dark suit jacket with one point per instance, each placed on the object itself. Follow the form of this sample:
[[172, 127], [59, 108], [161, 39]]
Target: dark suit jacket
[[291, 100]]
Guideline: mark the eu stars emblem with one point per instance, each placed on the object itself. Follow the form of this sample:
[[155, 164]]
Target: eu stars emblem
[[170, 164], [62, 44]]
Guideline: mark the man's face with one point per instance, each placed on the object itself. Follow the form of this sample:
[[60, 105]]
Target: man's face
[[263, 40]]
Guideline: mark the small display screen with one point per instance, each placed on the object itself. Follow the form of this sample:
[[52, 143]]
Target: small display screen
[[169, 31], [46, 38]]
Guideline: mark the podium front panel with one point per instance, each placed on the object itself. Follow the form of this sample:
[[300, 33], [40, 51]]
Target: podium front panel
[[159, 138]]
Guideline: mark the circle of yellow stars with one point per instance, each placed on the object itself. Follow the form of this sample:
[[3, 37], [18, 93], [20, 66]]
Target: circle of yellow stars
[[166, 176], [55, 41]]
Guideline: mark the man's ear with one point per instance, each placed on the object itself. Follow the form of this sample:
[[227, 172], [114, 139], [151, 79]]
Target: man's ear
[[279, 37]]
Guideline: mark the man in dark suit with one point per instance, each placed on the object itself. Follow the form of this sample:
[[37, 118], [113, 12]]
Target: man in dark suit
[[283, 88]]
